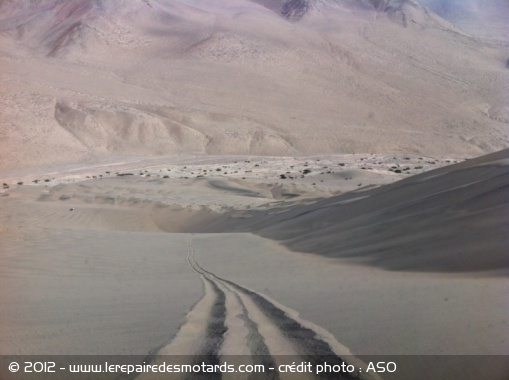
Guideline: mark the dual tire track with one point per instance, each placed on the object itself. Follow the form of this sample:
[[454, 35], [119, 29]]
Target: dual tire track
[[232, 323]]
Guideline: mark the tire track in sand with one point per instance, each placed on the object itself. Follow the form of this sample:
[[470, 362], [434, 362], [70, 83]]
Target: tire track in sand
[[232, 323]]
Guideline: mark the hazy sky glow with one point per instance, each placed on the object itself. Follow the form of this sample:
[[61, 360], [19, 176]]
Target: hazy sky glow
[[484, 18]]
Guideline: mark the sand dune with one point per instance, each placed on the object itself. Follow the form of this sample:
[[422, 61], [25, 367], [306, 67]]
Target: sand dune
[[253, 181], [390, 270], [452, 219]]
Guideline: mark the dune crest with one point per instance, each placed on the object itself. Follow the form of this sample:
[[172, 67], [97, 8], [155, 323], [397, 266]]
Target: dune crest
[[452, 219]]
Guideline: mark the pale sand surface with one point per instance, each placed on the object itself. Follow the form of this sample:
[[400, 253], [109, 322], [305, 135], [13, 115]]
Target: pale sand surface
[[70, 291], [139, 128], [371, 311], [375, 312], [92, 266]]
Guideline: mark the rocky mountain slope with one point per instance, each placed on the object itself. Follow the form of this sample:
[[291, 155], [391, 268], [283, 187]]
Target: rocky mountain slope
[[97, 80]]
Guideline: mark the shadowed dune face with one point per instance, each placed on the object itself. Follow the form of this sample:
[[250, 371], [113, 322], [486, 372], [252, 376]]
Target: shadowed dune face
[[244, 77], [453, 219]]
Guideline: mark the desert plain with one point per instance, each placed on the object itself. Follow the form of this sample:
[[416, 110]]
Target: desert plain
[[256, 179]]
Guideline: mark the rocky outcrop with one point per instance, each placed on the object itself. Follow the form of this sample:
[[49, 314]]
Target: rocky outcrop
[[295, 9]]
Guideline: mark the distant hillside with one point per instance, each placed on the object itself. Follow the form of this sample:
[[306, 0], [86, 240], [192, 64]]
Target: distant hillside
[[482, 18], [89, 80]]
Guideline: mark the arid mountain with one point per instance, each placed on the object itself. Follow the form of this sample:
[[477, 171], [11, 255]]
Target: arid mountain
[[87, 79], [481, 18]]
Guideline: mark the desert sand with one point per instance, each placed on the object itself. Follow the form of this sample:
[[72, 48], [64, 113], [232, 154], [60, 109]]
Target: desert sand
[[259, 181], [122, 255]]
